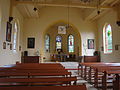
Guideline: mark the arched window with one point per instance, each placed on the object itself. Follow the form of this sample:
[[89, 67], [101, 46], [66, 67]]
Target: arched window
[[107, 38], [15, 35], [71, 43], [58, 42], [47, 43]]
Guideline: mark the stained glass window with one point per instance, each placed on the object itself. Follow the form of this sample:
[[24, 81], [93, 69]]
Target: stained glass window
[[107, 38], [71, 43], [15, 37], [58, 42], [47, 43]]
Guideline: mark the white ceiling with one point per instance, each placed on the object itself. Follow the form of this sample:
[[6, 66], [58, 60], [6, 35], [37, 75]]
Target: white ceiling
[[26, 6]]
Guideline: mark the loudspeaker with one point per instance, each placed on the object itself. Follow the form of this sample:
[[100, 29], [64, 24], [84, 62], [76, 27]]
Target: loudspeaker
[[118, 23], [10, 19]]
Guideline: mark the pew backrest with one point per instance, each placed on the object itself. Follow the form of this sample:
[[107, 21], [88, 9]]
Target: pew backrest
[[73, 87]]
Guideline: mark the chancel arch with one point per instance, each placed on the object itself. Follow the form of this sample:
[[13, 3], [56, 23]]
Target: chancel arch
[[60, 29]]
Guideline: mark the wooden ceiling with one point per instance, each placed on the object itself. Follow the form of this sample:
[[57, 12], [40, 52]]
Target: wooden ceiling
[[90, 9]]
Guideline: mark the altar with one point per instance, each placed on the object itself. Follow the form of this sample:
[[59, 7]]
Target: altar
[[63, 57]]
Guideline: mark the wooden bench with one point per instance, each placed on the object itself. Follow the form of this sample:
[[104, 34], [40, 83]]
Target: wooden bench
[[91, 59], [37, 81], [100, 68], [116, 81], [73, 87], [104, 68], [33, 72], [88, 59], [34, 66], [47, 76]]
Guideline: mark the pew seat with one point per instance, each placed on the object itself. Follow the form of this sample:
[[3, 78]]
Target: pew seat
[[73, 87]]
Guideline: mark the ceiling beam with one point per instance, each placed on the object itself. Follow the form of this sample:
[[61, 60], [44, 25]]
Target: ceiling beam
[[100, 15], [94, 14], [27, 11], [75, 5], [106, 1], [117, 9], [116, 1], [12, 3], [91, 15]]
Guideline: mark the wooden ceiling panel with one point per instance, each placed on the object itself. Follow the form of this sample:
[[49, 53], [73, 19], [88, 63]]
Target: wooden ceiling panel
[[90, 9], [23, 10]]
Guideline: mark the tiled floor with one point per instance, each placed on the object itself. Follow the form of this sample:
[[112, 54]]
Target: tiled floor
[[74, 65]]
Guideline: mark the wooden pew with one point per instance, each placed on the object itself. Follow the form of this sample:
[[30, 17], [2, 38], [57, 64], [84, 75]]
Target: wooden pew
[[34, 66], [104, 68], [29, 69], [73, 87], [37, 81], [116, 81], [20, 70], [88, 59], [101, 67], [34, 70], [29, 73], [15, 74], [115, 71], [91, 59]]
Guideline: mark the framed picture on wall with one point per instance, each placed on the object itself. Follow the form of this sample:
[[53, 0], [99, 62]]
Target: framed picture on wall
[[31, 43], [4, 45], [10, 46], [8, 32], [90, 43]]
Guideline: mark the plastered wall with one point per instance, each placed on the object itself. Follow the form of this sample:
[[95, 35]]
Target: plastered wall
[[110, 17], [7, 56], [48, 16]]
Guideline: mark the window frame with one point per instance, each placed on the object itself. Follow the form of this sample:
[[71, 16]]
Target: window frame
[[49, 43], [56, 42], [15, 30], [73, 43], [104, 39]]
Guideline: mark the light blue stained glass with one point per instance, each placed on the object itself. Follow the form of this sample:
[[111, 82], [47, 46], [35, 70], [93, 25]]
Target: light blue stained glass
[[58, 42], [108, 39], [47, 43], [71, 43], [15, 36]]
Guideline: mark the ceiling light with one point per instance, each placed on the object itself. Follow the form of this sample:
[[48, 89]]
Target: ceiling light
[[85, 1], [35, 9]]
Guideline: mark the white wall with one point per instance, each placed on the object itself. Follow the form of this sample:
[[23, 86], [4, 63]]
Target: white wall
[[49, 16], [7, 56], [110, 18]]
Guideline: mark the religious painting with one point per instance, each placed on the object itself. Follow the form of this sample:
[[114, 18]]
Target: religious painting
[[4, 45], [10, 46], [31, 43], [90, 43], [19, 48], [8, 32]]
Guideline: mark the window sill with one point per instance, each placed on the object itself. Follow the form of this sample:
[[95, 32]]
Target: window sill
[[107, 53]]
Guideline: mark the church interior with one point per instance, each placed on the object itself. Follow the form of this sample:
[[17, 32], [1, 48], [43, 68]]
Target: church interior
[[60, 38]]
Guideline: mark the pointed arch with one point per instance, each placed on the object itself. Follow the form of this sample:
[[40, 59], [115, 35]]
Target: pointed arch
[[15, 35], [58, 42], [47, 43], [107, 38], [70, 43]]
